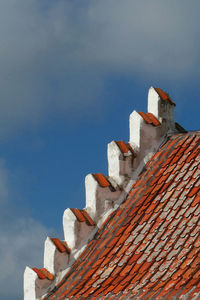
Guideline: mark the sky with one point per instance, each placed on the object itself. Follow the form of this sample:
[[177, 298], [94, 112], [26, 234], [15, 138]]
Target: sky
[[71, 73]]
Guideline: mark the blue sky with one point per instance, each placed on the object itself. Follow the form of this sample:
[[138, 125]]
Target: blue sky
[[71, 73]]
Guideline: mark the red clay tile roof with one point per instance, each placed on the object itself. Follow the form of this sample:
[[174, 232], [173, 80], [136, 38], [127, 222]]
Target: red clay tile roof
[[164, 96], [149, 248]]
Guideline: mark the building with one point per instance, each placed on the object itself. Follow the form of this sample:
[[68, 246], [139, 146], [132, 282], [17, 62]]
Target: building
[[139, 234]]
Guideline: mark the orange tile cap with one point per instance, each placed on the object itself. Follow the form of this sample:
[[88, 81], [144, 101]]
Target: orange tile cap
[[82, 216], [125, 147], [149, 118], [61, 246], [88, 219], [43, 273], [163, 95], [77, 212], [101, 179], [122, 146]]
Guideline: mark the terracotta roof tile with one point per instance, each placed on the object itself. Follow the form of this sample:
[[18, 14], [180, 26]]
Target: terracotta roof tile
[[150, 246], [82, 216], [125, 148], [131, 149], [122, 146], [43, 274], [101, 179], [164, 96], [77, 212], [61, 245], [149, 118], [88, 219]]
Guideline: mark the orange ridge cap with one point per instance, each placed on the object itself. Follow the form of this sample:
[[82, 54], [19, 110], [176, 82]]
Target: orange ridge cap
[[43, 273], [67, 247], [88, 219], [101, 179], [153, 119], [122, 146], [39, 273], [164, 96], [48, 275], [125, 147], [77, 212], [131, 149], [149, 118], [145, 117], [61, 246], [82, 216]]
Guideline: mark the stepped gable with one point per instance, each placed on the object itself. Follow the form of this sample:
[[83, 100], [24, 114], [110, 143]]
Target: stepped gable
[[150, 246], [138, 235]]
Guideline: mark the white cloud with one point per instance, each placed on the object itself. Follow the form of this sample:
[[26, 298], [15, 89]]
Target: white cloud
[[55, 55], [158, 37], [21, 242]]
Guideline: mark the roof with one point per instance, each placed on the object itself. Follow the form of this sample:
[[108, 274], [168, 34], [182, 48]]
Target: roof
[[150, 245], [138, 236]]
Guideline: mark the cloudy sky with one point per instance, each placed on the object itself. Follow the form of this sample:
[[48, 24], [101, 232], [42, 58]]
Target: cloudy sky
[[71, 72]]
